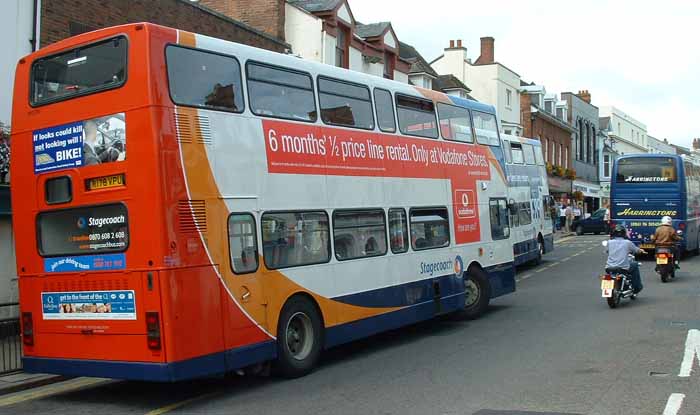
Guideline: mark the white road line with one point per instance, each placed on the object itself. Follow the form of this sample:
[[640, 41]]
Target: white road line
[[674, 404], [526, 276], [692, 347]]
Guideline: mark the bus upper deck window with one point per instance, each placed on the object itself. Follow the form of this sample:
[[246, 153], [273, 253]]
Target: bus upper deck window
[[486, 128], [79, 71], [58, 190]]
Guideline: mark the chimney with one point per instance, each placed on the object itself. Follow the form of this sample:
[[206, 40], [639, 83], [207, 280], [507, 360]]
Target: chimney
[[585, 95], [452, 44], [459, 43], [487, 51]]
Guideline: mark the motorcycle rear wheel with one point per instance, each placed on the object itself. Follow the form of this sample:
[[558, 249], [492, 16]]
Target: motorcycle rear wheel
[[614, 300]]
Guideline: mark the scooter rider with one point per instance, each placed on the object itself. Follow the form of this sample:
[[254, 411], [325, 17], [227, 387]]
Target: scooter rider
[[666, 237], [619, 248]]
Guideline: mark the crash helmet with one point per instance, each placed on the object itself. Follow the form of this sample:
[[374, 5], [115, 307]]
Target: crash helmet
[[666, 220], [619, 232]]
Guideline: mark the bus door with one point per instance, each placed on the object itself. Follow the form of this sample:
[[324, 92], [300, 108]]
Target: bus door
[[245, 257]]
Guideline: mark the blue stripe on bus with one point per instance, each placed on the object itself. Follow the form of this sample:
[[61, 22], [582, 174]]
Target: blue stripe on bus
[[198, 367]]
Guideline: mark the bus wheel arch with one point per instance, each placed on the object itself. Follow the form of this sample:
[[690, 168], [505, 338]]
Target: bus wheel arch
[[477, 291], [300, 336]]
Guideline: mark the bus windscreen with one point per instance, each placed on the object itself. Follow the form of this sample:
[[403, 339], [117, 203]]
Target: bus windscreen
[[79, 71], [646, 170]]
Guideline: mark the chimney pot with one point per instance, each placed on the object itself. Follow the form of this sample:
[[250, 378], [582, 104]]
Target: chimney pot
[[459, 43], [452, 43]]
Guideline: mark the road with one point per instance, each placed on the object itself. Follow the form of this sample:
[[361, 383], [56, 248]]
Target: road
[[553, 347]]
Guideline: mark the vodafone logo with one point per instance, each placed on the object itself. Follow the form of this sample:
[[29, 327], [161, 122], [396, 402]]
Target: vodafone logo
[[466, 201]]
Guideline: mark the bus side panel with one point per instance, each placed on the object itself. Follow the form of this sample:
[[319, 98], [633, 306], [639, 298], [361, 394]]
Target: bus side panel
[[192, 313]]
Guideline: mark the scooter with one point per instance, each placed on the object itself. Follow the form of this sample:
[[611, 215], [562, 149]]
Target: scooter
[[616, 284]]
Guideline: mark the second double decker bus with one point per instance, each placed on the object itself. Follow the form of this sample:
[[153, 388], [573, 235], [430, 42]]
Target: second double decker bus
[[528, 198], [647, 187], [190, 206]]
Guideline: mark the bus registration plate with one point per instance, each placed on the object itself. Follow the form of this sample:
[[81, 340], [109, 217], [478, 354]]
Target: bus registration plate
[[105, 182]]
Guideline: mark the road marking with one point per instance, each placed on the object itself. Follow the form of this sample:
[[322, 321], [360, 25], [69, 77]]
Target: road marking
[[524, 277], [46, 391], [673, 405], [692, 347], [176, 405]]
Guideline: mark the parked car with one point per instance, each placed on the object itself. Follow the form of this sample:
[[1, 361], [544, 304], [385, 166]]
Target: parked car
[[593, 224]]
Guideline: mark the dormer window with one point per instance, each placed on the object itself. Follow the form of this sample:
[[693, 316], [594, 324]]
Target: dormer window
[[536, 99], [549, 106]]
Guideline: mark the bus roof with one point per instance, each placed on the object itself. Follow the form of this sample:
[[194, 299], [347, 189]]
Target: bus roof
[[524, 140], [264, 55]]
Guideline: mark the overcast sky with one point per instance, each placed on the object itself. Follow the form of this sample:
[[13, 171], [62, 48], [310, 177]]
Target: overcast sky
[[640, 56]]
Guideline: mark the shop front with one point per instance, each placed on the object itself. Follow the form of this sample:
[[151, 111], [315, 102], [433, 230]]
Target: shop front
[[591, 195]]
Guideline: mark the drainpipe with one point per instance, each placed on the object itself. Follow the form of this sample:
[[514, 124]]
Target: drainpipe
[[36, 15]]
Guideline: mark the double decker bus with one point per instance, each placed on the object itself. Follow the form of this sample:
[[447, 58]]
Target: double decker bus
[[647, 187], [190, 206], [529, 201]]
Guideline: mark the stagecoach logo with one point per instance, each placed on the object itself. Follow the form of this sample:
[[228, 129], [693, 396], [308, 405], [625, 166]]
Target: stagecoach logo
[[82, 223], [637, 179], [465, 203], [632, 212], [459, 266]]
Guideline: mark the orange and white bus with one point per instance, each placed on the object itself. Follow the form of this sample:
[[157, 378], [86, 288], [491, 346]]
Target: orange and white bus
[[187, 206]]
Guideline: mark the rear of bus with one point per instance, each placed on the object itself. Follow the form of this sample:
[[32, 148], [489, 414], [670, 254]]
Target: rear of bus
[[645, 188], [111, 284]]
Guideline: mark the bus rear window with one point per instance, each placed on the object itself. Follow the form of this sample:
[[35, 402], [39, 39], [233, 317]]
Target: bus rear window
[[646, 170], [83, 230], [79, 71]]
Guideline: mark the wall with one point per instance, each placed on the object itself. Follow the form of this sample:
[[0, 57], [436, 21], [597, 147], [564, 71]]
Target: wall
[[629, 134], [265, 15], [400, 77], [356, 63], [508, 80], [539, 126], [57, 14], [659, 147], [329, 55], [8, 270], [303, 33], [582, 110], [16, 33]]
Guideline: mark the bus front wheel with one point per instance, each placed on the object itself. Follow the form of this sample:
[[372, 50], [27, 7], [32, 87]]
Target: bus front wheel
[[299, 338], [477, 295]]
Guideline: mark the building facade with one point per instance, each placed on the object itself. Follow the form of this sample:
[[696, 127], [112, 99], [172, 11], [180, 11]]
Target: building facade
[[585, 154], [627, 135], [607, 158], [656, 146], [323, 31], [555, 134], [490, 81]]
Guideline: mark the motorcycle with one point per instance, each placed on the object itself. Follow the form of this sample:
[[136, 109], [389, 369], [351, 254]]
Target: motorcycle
[[666, 261], [616, 284]]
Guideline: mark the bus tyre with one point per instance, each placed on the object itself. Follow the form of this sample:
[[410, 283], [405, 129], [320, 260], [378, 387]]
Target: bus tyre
[[477, 295], [299, 338]]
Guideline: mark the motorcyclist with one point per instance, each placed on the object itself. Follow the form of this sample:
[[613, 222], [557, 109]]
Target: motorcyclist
[[666, 237], [619, 248]]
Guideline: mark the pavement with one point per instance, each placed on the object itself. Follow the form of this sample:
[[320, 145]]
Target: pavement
[[553, 347]]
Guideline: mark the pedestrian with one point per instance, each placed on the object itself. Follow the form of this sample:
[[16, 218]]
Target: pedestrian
[[4, 160], [562, 217], [553, 212], [569, 213]]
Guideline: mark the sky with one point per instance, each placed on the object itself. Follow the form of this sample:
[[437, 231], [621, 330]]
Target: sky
[[642, 57]]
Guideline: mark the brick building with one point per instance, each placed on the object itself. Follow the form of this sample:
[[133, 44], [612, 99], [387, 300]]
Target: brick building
[[555, 134], [59, 19]]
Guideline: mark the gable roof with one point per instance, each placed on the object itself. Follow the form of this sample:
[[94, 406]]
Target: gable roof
[[371, 30], [444, 82], [418, 63], [314, 6]]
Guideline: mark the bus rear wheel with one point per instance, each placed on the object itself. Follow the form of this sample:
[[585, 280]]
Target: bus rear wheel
[[477, 295], [299, 338]]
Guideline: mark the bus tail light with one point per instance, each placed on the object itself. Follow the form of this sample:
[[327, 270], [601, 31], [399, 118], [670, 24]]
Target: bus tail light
[[153, 330], [27, 329], [681, 226]]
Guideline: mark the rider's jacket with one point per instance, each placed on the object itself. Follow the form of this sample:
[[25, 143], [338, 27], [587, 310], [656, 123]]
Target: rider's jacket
[[665, 235]]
